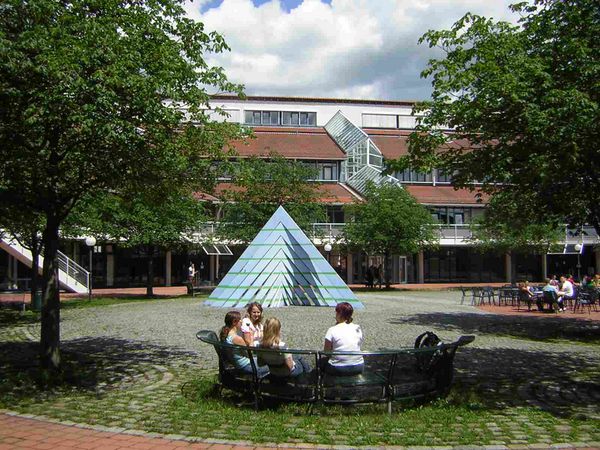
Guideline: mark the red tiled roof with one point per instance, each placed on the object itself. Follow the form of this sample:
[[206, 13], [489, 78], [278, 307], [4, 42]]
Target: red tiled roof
[[394, 143], [329, 193], [300, 143], [445, 195], [391, 143]]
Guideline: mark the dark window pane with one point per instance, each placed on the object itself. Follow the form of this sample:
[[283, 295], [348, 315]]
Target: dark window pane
[[256, 118], [295, 117], [303, 118], [286, 118], [266, 118], [249, 117], [312, 119]]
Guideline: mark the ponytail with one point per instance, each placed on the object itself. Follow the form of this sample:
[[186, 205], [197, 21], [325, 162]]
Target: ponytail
[[230, 319]]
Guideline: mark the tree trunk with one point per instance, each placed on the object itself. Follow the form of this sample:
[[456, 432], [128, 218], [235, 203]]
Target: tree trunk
[[50, 333], [150, 274], [387, 270], [35, 253]]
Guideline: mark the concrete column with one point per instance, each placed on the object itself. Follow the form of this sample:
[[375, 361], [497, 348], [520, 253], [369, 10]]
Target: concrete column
[[168, 268], [211, 268], [544, 266], [110, 268], [420, 267], [12, 272], [508, 267], [349, 269]]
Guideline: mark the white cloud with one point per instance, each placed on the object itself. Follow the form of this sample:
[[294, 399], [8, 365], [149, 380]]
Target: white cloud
[[351, 48]]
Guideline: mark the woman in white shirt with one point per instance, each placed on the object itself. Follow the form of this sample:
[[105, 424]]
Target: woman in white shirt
[[252, 327], [344, 337]]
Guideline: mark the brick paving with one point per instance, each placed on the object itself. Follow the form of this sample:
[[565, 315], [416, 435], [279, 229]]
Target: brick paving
[[138, 356]]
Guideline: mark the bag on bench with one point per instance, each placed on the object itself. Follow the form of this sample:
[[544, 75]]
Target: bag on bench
[[427, 360]]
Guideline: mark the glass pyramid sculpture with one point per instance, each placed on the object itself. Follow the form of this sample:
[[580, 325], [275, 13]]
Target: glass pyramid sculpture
[[281, 267]]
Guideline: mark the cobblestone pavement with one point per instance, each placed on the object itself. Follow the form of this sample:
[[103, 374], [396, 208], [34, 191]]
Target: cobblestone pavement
[[145, 351]]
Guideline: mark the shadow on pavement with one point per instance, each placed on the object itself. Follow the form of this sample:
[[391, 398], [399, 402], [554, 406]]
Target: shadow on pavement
[[517, 326], [88, 364]]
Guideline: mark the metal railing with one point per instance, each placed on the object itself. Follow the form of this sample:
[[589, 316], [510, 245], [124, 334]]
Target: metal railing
[[457, 233], [73, 270], [328, 230]]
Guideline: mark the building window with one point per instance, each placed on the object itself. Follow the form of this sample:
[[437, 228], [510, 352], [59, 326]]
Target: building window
[[442, 177], [276, 118], [379, 121], [388, 121], [335, 214], [449, 215], [327, 171], [412, 176]]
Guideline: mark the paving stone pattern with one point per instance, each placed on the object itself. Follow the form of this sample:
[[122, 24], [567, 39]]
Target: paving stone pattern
[[134, 359]]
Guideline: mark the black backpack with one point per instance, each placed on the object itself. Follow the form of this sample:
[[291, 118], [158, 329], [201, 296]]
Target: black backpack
[[427, 339], [426, 361]]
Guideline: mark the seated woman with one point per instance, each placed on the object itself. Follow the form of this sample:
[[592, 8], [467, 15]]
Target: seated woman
[[344, 337], [280, 364], [551, 298], [230, 334], [526, 293], [252, 327]]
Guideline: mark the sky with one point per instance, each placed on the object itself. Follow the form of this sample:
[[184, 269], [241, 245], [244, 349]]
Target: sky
[[359, 49]]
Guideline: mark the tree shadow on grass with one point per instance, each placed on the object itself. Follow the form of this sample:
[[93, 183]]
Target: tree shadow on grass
[[535, 328], [563, 384], [93, 365]]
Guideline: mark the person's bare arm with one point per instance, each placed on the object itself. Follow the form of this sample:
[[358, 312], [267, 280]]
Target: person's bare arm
[[237, 340], [289, 362], [248, 339], [327, 347]]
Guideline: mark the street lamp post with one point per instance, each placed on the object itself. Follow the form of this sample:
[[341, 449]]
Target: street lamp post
[[327, 249], [578, 248], [90, 241]]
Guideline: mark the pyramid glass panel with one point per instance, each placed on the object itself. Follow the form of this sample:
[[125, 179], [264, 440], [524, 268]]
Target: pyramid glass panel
[[281, 267]]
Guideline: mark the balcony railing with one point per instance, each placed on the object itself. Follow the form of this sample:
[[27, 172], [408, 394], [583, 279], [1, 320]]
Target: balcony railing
[[450, 234]]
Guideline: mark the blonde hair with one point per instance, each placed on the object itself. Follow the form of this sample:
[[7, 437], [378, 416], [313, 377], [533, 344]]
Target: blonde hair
[[271, 332]]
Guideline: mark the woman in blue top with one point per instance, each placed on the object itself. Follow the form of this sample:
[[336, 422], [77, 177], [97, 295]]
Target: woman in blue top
[[231, 334]]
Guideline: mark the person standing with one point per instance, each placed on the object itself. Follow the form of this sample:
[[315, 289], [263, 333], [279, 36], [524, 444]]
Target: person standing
[[191, 272]]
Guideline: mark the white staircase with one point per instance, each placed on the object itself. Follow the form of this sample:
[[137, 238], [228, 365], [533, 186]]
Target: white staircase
[[71, 275]]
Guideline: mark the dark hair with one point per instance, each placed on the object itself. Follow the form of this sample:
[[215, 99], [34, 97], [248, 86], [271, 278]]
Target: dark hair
[[345, 310], [249, 310], [230, 318]]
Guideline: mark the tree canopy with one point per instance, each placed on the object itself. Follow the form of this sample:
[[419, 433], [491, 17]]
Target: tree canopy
[[259, 187], [139, 221], [101, 95], [388, 222], [515, 107]]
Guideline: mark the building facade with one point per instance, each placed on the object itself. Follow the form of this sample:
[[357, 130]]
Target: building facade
[[347, 142]]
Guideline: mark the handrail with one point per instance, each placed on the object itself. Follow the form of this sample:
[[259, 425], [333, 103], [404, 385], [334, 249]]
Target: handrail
[[72, 269]]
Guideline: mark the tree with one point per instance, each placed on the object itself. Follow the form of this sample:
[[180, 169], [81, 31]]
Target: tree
[[389, 222], [139, 221], [524, 232], [259, 187], [522, 105], [100, 96]]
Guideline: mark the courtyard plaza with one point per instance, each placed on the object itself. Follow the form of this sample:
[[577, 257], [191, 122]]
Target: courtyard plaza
[[137, 370]]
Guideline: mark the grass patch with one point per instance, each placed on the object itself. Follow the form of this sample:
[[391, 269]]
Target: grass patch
[[79, 303], [197, 410]]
